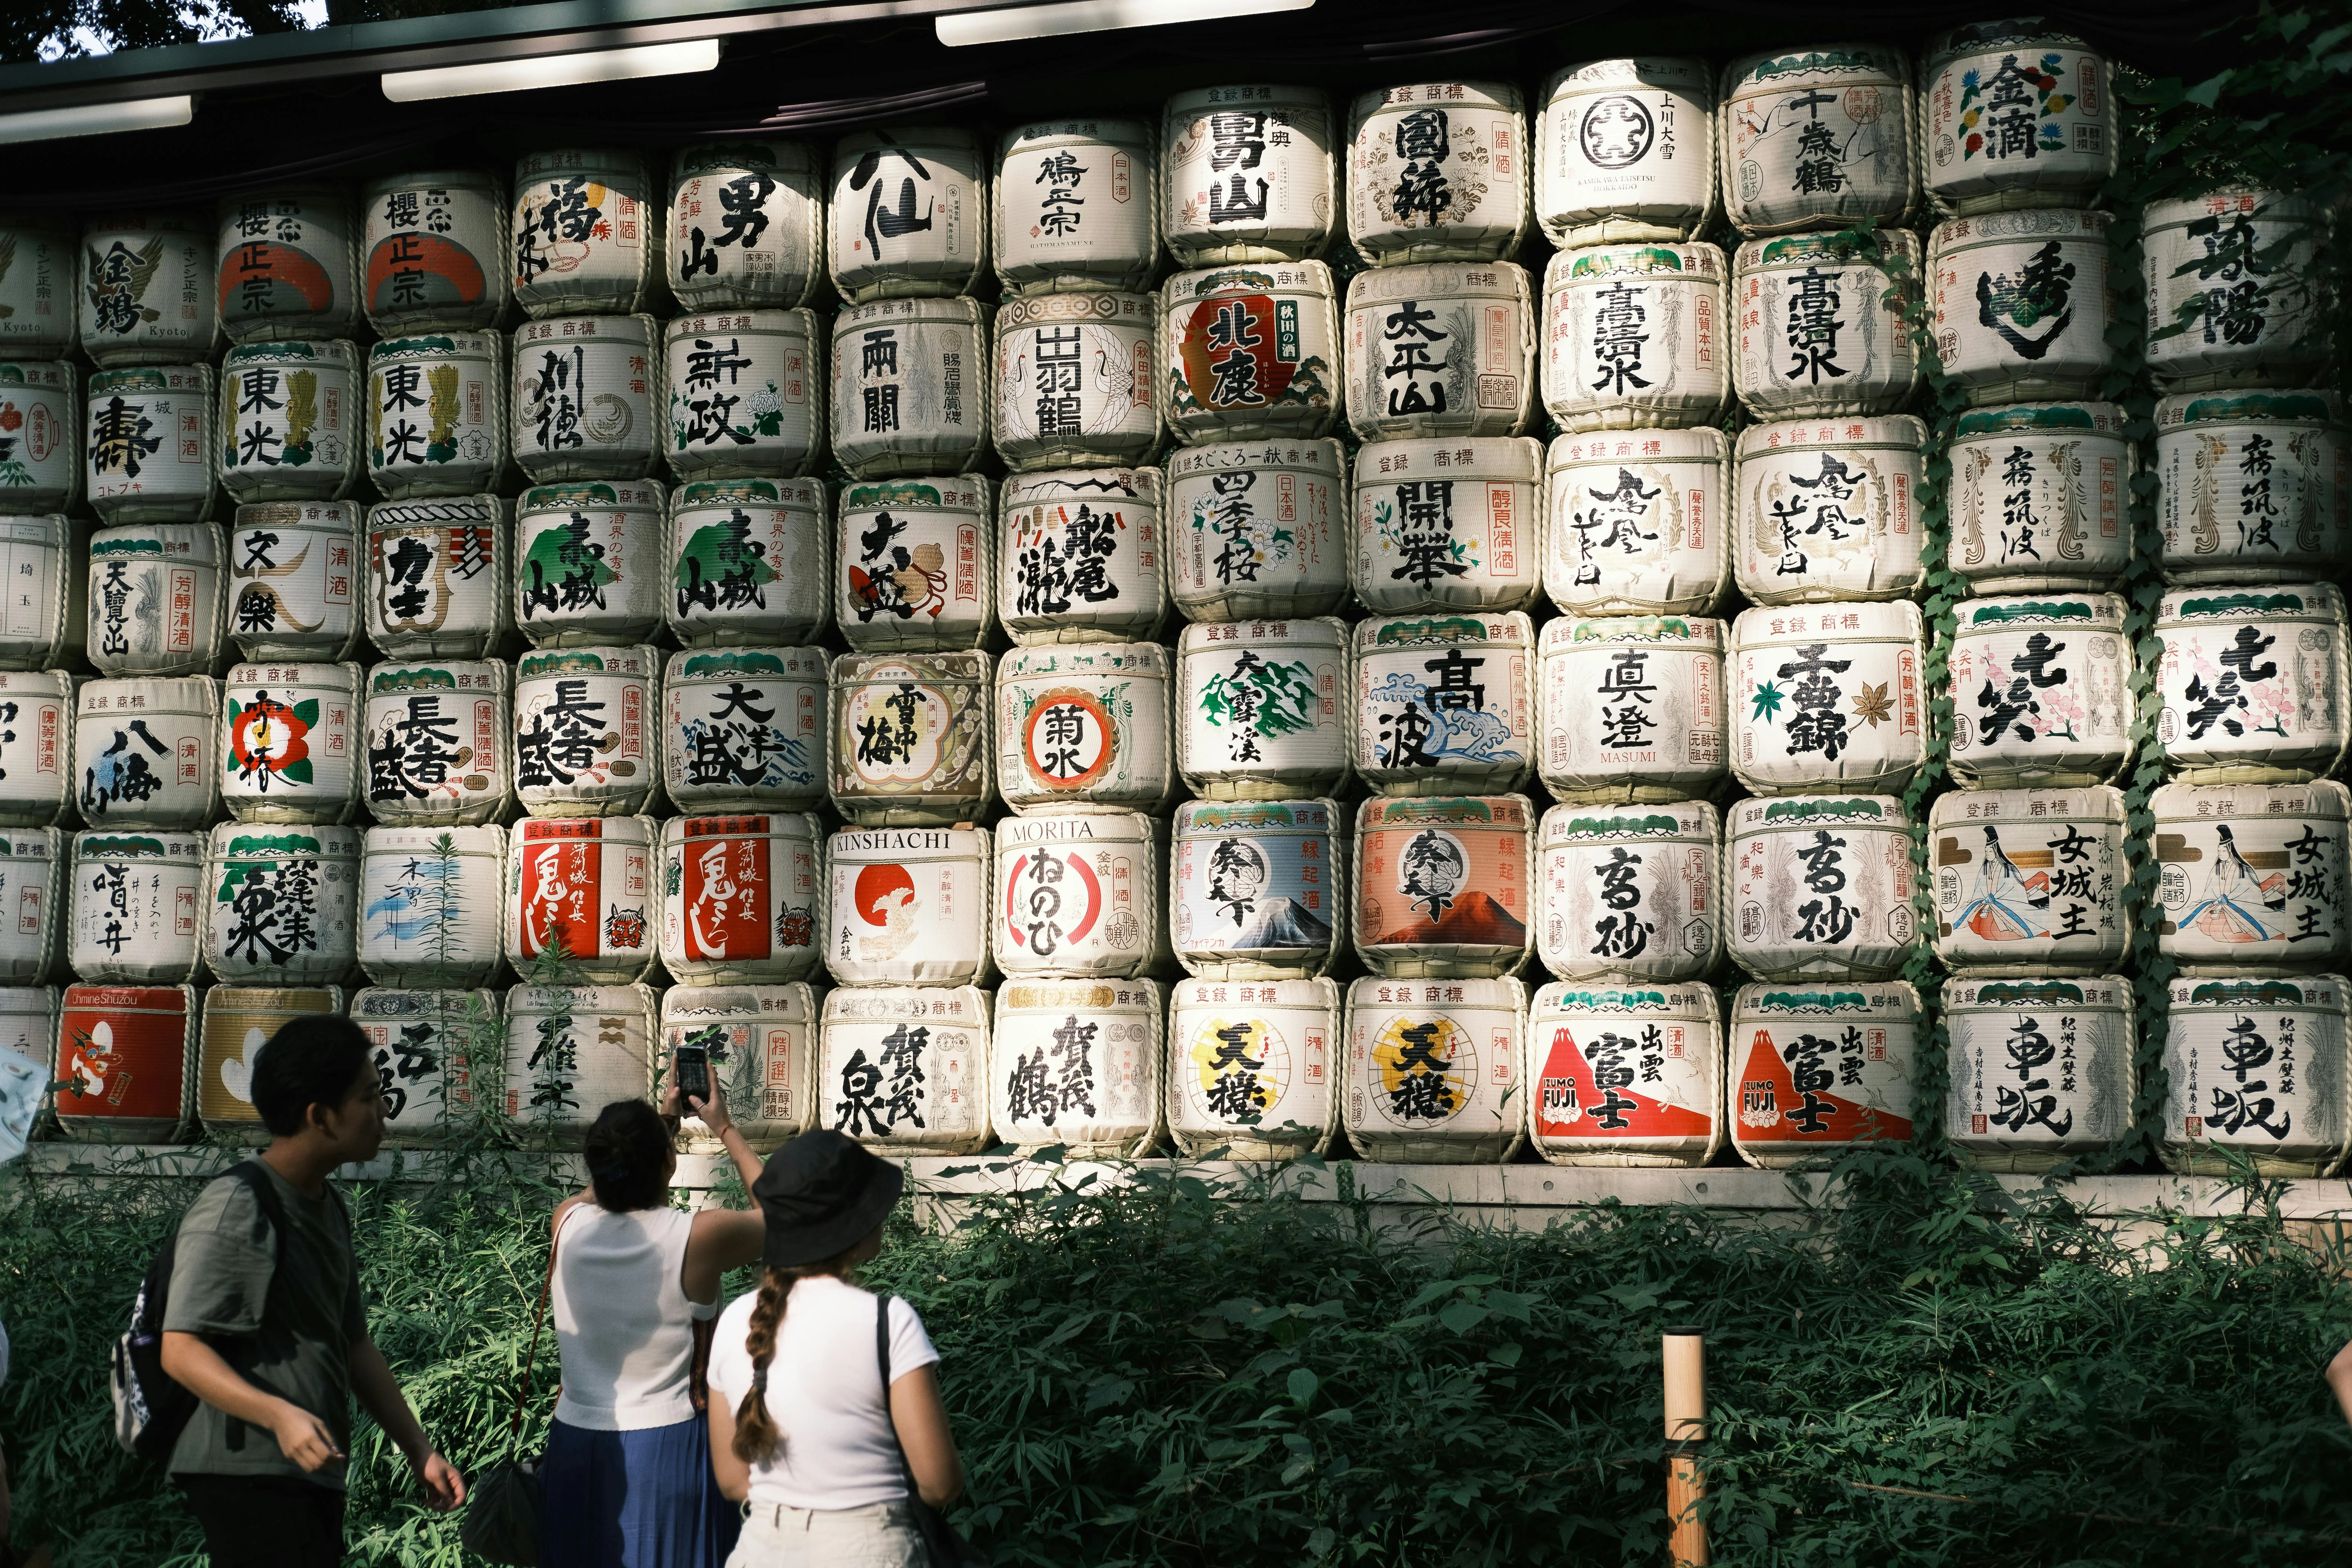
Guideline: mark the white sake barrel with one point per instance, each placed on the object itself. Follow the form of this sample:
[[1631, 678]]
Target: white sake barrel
[[908, 906], [584, 232], [909, 213], [1249, 1068], [911, 386], [574, 1049], [761, 1041], [1251, 530], [122, 1059], [1446, 704], [40, 433], [2041, 1070], [2021, 303], [281, 902], [1437, 171], [1444, 888], [292, 570], [1076, 205], [1820, 1071], [145, 752], [37, 762], [2030, 881], [1251, 354], [436, 408], [1265, 708], [2256, 1069], [2016, 114], [1827, 696], [33, 895], [437, 742], [749, 561], [292, 747], [1440, 349], [438, 576], [1433, 1070], [146, 288], [2257, 486], [2230, 301], [2253, 684], [1075, 380], [157, 598], [744, 727], [150, 446], [588, 563], [1819, 138], [1632, 708], [586, 731], [916, 564], [1249, 174], [909, 742], [1822, 324], [1637, 521], [742, 902], [1255, 887], [429, 904], [1827, 510], [429, 1047], [1625, 151], [1819, 888], [289, 263], [2041, 691], [435, 251], [1076, 1065], [1441, 524], [2253, 877], [583, 403], [2038, 496], [1633, 891], [1625, 1074], [1082, 557], [904, 1070], [582, 889], [746, 225], [137, 907], [44, 610], [1078, 894], [1082, 725], [746, 394], [1635, 337], [43, 320], [238, 1021]]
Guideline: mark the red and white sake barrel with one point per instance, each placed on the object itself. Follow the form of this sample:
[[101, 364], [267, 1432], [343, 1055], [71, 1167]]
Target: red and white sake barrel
[[1632, 708], [1446, 704], [744, 727], [293, 749], [750, 561], [158, 598], [438, 742], [1076, 1063], [2015, 115], [1625, 151], [745, 395], [2041, 1069], [1444, 524], [1819, 889], [2255, 1070], [583, 230], [1827, 696], [2038, 493], [437, 576], [2041, 689], [1248, 174], [151, 445], [904, 1070], [583, 888], [33, 894], [1083, 725], [289, 263], [293, 572], [238, 1020], [1821, 1070], [428, 912], [122, 1061], [434, 251], [1075, 380], [2234, 270], [1822, 137], [146, 288], [908, 906], [1251, 530], [1250, 1070], [2021, 303], [761, 1042], [1256, 887], [1082, 556], [587, 731], [2252, 683], [1822, 324], [43, 321], [574, 1049], [1637, 521], [1252, 352], [915, 564], [910, 743], [2252, 878], [742, 900], [430, 1048], [2030, 881], [746, 225], [2257, 486], [584, 403], [880, 180], [37, 765], [1437, 171], [1828, 508], [1078, 895], [1440, 349], [1433, 1070], [1444, 888], [1076, 205], [1625, 1073], [1633, 892], [436, 408], [41, 406], [145, 752], [588, 563], [1635, 337], [1263, 708], [281, 902], [911, 386]]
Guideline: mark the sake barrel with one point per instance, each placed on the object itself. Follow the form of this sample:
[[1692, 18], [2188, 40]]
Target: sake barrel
[[908, 906], [1437, 171], [292, 570], [746, 225], [1083, 556], [37, 719], [1629, 1074], [2252, 683], [1827, 695], [586, 741], [1251, 353], [2021, 303], [1251, 530], [588, 559], [2030, 881], [438, 742], [282, 903], [150, 446], [572, 1050], [2038, 496], [761, 1042], [293, 742], [750, 561], [435, 251], [917, 563], [1827, 510], [1819, 138], [1822, 324], [2257, 487], [582, 238], [429, 1047], [2015, 115], [2253, 877], [1633, 892], [2041, 1070], [1433, 1070], [909, 743], [1444, 888], [1441, 524], [1440, 349], [157, 597], [1078, 894], [2040, 690], [429, 904], [582, 889], [1263, 708], [1249, 1068], [437, 414], [1249, 174], [911, 386], [2229, 296], [909, 213], [1075, 380], [1076, 205], [289, 263], [28, 1033], [1076, 1066], [2255, 1071], [1634, 337], [904, 1070], [40, 433], [1625, 151], [146, 288], [1256, 887], [744, 727], [583, 403], [144, 750], [1819, 1072], [746, 394], [136, 906], [1636, 522], [33, 894], [742, 900], [1083, 725], [121, 1063], [1632, 708], [437, 572], [43, 320], [1820, 889], [1446, 704]]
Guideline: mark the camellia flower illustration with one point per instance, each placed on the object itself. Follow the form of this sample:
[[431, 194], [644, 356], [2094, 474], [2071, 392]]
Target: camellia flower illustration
[[269, 740]]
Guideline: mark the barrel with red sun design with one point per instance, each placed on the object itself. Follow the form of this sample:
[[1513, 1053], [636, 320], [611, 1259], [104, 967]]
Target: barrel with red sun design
[[1625, 1074], [288, 266], [1820, 1069], [908, 906]]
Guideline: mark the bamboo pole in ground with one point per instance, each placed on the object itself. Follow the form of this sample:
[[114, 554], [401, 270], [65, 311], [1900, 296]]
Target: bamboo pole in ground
[[1685, 1367]]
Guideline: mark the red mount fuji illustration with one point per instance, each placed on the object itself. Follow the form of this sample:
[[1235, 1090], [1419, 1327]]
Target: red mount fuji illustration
[[1848, 1122], [1477, 922], [1648, 1118]]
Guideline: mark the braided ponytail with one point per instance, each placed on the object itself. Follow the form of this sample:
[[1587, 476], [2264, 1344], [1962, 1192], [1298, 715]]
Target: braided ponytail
[[757, 1437]]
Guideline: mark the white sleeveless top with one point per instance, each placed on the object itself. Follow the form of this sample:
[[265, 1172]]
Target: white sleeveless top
[[623, 1323]]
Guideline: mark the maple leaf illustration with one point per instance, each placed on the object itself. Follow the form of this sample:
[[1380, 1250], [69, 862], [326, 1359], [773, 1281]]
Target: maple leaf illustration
[[1767, 700], [1871, 703]]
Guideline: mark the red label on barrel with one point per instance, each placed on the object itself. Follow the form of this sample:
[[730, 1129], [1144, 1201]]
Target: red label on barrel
[[726, 889], [121, 1052], [1592, 1088], [562, 879]]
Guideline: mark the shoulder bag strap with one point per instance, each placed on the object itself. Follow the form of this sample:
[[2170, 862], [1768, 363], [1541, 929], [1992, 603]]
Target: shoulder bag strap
[[537, 1320], [882, 1365]]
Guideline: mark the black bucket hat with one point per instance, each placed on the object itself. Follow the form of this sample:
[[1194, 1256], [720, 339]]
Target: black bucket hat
[[822, 1194]]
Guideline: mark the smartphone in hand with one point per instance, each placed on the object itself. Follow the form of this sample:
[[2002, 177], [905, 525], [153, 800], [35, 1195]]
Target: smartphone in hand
[[691, 1067]]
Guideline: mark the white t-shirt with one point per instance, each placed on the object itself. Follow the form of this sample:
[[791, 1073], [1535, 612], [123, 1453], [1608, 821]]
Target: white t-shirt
[[825, 1393]]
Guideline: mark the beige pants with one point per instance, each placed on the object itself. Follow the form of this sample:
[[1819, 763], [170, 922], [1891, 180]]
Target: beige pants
[[879, 1535]]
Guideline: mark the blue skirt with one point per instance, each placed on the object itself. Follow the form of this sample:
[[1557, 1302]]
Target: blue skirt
[[635, 1499]]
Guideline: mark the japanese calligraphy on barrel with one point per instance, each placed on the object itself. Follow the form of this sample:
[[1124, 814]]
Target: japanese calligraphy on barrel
[[437, 742], [761, 1042], [2257, 486], [1077, 205], [434, 252], [429, 1047], [2230, 301], [910, 743], [1251, 530], [1445, 524], [1255, 887], [2041, 1069], [293, 742], [2030, 881], [1822, 137], [2041, 691], [429, 904], [143, 751], [750, 561], [289, 263], [1823, 327], [293, 568], [588, 559], [37, 765], [1078, 894], [741, 901], [1820, 1071], [904, 1070], [40, 408], [1440, 349], [1076, 1065], [43, 319], [745, 395], [146, 286], [2253, 684], [33, 895], [582, 235], [1437, 171], [908, 906], [1828, 508], [151, 447], [1444, 888], [41, 625], [1637, 521], [1251, 354], [1446, 704], [574, 1049], [1433, 1070], [2021, 303], [583, 404], [911, 386], [1082, 557], [2038, 498], [1075, 380], [746, 225], [1818, 887], [1249, 174], [437, 414], [157, 595], [281, 902], [909, 213], [744, 727], [1250, 1070], [2253, 877], [1084, 724], [1632, 708], [917, 563], [1634, 337], [2014, 115], [1625, 151], [582, 889], [238, 1021], [2255, 1069], [122, 1063], [1265, 708], [585, 730], [1827, 695], [1631, 892], [136, 913], [1625, 1074]]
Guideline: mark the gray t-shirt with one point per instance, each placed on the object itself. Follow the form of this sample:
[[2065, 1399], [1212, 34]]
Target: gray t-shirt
[[223, 1276]]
